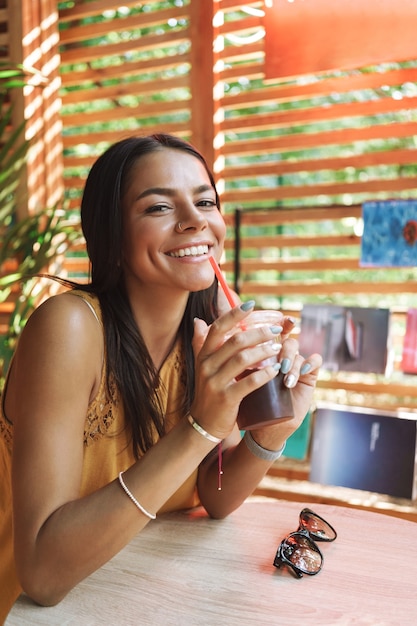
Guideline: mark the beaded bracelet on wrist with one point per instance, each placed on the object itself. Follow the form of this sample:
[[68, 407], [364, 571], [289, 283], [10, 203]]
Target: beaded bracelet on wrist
[[132, 497]]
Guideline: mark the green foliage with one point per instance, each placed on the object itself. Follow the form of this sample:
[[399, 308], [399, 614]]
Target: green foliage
[[27, 245], [13, 147]]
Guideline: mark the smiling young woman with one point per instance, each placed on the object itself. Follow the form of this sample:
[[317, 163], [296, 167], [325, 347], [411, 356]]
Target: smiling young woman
[[121, 390]]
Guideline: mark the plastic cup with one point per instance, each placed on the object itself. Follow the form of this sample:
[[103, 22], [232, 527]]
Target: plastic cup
[[272, 402]]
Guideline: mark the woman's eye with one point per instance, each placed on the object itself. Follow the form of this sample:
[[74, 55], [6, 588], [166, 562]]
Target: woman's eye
[[158, 208], [207, 204]]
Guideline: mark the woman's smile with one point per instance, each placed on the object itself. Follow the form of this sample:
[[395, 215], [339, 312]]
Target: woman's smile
[[196, 250]]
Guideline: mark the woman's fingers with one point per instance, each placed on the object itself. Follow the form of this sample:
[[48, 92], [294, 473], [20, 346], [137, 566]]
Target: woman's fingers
[[301, 369], [200, 333]]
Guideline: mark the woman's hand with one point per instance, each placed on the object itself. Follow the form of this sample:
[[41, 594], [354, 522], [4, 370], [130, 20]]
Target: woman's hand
[[300, 375], [222, 355]]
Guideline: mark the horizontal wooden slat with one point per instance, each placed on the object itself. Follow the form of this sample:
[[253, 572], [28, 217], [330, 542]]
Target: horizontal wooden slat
[[123, 89], [304, 141], [316, 114], [90, 138], [355, 162], [121, 24], [387, 387], [147, 42], [345, 83], [228, 6], [305, 266], [317, 288], [143, 110], [371, 187], [97, 75], [96, 7], [287, 241], [277, 216]]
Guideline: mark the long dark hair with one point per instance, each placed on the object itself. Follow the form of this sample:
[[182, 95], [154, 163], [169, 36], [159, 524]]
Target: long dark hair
[[128, 361]]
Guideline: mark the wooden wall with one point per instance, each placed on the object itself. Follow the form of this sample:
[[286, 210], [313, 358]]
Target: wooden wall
[[298, 157], [31, 38]]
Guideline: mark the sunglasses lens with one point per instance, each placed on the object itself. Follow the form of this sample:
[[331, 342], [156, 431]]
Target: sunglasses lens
[[316, 526], [302, 553]]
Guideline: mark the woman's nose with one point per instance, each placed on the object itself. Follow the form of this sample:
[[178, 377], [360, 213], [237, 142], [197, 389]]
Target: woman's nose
[[193, 221]]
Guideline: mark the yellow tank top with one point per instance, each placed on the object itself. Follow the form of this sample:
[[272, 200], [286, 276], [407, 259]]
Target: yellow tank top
[[107, 451]]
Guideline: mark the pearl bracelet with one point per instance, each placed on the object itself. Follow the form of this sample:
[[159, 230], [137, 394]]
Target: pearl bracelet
[[201, 430], [259, 451], [132, 497]]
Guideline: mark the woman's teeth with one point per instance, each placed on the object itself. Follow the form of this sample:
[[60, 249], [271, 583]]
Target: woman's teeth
[[192, 251]]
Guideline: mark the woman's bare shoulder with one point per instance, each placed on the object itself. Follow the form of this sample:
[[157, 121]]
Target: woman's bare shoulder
[[60, 351], [63, 327], [64, 310]]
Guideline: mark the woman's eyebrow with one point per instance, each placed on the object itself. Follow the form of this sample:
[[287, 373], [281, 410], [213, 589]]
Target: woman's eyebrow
[[167, 191], [161, 191], [204, 187]]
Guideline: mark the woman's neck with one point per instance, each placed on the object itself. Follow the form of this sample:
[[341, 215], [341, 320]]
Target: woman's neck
[[158, 321]]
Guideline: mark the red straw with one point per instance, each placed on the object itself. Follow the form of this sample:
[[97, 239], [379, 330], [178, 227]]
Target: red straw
[[221, 280]]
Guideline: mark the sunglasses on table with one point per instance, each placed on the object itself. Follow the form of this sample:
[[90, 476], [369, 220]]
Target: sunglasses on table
[[299, 550]]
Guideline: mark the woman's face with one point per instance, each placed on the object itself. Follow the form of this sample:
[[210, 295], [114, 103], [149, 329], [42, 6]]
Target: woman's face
[[165, 188]]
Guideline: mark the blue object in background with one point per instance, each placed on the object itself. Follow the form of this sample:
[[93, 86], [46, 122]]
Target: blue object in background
[[389, 234], [365, 449]]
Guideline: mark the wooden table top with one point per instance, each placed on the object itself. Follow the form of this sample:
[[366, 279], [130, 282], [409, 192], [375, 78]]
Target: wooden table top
[[185, 569]]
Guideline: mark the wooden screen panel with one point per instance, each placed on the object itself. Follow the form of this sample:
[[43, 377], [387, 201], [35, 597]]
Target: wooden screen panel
[[154, 74], [339, 138], [300, 254], [287, 260], [312, 37], [326, 144], [355, 130]]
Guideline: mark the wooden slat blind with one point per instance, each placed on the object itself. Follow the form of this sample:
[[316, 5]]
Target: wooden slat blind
[[322, 125], [298, 157]]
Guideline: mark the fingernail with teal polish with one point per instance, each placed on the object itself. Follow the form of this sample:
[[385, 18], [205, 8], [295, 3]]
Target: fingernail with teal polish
[[276, 330], [305, 368], [285, 366], [247, 306], [277, 367]]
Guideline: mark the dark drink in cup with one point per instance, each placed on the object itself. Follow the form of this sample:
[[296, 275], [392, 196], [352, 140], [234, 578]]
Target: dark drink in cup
[[265, 406], [272, 401]]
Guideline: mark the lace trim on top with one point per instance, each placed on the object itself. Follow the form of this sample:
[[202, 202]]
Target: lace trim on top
[[6, 427], [6, 431], [102, 411], [106, 406]]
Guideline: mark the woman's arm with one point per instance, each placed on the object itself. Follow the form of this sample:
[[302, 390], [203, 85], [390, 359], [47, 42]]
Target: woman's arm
[[59, 537], [242, 469]]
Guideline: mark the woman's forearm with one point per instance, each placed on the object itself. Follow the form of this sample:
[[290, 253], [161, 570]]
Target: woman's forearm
[[82, 535], [242, 472]]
